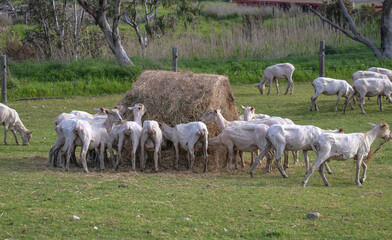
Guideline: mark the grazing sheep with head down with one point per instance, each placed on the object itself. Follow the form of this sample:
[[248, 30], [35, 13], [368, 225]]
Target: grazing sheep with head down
[[273, 73], [11, 121]]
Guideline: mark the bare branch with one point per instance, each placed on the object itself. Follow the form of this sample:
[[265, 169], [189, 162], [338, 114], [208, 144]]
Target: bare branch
[[90, 9]]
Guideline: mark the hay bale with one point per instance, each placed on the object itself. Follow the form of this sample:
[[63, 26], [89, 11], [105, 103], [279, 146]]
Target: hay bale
[[181, 97]]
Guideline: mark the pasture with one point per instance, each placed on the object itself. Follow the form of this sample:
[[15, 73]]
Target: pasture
[[39, 203]]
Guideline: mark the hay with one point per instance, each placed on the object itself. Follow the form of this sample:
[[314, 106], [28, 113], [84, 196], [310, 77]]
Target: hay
[[181, 97]]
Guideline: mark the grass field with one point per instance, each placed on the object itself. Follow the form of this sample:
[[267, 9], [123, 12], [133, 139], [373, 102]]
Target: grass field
[[39, 203]]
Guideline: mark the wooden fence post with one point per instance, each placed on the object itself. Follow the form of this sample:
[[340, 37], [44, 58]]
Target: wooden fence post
[[322, 58], [3, 62], [175, 59]]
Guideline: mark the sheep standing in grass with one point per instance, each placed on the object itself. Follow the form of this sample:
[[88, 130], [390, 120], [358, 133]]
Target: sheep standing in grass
[[382, 71], [11, 121], [370, 87], [330, 86], [187, 135], [150, 140], [275, 72], [345, 146]]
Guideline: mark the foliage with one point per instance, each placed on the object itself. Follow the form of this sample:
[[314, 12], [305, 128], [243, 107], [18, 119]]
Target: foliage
[[331, 9], [368, 13]]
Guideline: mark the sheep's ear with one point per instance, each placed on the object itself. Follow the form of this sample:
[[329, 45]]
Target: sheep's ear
[[130, 108], [218, 110], [252, 108], [372, 124], [340, 130], [384, 125], [243, 107], [106, 111], [256, 84], [118, 107], [101, 109]]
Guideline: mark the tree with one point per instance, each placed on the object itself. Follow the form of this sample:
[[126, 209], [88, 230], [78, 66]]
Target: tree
[[385, 29], [103, 10]]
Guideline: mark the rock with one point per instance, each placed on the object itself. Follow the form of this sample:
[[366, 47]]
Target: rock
[[314, 215], [95, 228], [76, 217], [138, 216], [186, 218]]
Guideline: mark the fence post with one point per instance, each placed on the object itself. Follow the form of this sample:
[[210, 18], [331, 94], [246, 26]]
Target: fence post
[[3, 62], [273, 12], [174, 59], [322, 58]]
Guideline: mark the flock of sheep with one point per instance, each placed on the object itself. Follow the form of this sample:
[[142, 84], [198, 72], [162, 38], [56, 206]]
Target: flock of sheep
[[268, 136]]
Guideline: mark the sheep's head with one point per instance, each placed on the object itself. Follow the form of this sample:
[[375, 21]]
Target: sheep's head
[[249, 113], [261, 87], [138, 109], [383, 131], [114, 116], [209, 116], [26, 137]]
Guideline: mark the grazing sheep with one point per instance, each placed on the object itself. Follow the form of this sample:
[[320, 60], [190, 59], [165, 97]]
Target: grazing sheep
[[187, 135], [382, 71], [345, 146], [370, 87], [150, 140], [367, 74], [11, 121], [273, 73], [330, 86]]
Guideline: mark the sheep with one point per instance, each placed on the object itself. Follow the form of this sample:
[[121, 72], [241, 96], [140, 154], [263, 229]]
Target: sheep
[[382, 71], [289, 138], [243, 137], [100, 115], [132, 129], [249, 114], [11, 121], [187, 135], [345, 146], [330, 86], [89, 136], [273, 73], [150, 140], [370, 87], [367, 74]]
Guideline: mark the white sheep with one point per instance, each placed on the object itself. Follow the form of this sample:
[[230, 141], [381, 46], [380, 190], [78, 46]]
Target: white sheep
[[289, 138], [367, 74], [249, 114], [345, 146], [100, 115], [370, 87], [150, 140], [330, 86], [127, 129], [275, 72], [247, 138], [11, 121], [382, 71], [88, 135], [187, 135]]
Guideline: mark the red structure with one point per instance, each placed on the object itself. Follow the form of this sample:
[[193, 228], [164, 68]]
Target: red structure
[[284, 4]]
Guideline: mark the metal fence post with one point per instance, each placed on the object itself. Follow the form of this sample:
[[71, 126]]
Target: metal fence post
[[3, 61], [175, 59], [322, 58]]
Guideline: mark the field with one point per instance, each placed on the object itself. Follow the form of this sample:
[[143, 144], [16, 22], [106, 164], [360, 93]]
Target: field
[[39, 203]]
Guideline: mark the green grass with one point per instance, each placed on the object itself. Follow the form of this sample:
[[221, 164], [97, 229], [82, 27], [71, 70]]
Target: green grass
[[92, 77], [38, 203]]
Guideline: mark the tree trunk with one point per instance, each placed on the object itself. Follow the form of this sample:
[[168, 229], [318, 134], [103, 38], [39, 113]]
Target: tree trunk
[[385, 29]]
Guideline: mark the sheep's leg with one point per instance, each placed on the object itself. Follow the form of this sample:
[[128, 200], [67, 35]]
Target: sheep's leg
[[327, 168], [101, 156], [205, 153], [288, 86], [359, 164], [361, 102], [348, 100], [111, 153], [142, 151], [177, 154], [388, 96], [16, 138], [286, 159], [243, 160], [320, 160], [306, 160], [236, 153], [380, 102], [269, 87], [5, 134], [156, 153], [279, 151], [277, 86], [337, 102], [364, 167], [135, 145], [313, 101], [295, 156], [119, 150], [322, 174], [83, 156], [52, 152], [230, 157], [264, 151]]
